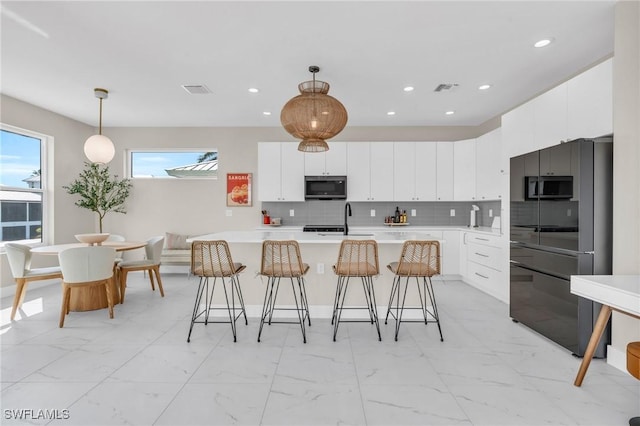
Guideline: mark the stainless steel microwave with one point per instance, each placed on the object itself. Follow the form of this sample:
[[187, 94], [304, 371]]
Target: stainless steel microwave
[[548, 187], [325, 187]]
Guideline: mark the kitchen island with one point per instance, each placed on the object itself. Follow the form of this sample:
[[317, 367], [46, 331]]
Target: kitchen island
[[320, 251]]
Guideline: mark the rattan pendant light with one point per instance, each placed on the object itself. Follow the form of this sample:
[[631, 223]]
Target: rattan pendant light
[[313, 116], [99, 148]]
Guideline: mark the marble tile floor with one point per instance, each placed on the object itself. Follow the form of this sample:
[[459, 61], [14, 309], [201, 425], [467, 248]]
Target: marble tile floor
[[138, 369]]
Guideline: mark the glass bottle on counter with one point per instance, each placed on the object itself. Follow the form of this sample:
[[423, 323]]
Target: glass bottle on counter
[[396, 218]]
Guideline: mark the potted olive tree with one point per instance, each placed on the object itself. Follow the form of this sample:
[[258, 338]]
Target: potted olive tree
[[99, 191]]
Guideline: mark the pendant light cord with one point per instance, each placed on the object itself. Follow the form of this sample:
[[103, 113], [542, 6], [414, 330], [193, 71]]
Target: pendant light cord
[[100, 128]]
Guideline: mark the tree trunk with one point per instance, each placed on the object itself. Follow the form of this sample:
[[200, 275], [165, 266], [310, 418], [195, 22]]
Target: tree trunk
[[100, 223]]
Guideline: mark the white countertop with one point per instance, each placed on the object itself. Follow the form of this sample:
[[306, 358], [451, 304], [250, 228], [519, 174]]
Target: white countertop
[[383, 235], [621, 292]]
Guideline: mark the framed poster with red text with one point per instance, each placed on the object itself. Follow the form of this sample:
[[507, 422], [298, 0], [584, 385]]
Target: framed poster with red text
[[239, 189]]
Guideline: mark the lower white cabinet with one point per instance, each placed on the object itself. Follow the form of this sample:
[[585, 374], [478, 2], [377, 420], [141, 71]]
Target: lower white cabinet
[[484, 266], [450, 253]]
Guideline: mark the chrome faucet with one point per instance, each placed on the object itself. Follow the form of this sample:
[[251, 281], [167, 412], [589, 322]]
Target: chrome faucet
[[347, 212]]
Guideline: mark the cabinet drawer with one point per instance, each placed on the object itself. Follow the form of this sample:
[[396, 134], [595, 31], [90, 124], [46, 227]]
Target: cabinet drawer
[[484, 255], [489, 240], [485, 277]]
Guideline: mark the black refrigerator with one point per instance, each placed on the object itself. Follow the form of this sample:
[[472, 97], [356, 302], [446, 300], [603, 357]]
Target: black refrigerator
[[561, 225]]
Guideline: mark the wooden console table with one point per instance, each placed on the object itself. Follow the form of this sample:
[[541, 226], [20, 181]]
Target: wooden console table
[[620, 293]]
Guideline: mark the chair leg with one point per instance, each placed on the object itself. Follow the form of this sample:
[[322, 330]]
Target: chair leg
[[107, 287], [374, 306], [299, 308], [399, 306], [432, 297], [266, 304], [236, 281], [156, 269], [21, 289], [66, 293], [123, 283], [196, 314], [231, 309], [394, 287], [344, 285], [153, 286]]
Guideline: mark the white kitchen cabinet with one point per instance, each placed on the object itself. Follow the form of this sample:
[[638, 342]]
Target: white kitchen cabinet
[[329, 163], [580, 108], [464, 170], [450, 253], [414, 171], [370, 171], [444, 171], [280, 172], [550, 117], [484, 267], [590, 97], [517, 130], [489, 167], [556, 161]]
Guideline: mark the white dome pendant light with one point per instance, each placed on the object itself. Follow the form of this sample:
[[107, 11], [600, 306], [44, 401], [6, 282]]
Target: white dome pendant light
[[99, 148]]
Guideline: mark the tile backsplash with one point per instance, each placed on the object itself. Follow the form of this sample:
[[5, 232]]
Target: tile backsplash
[[435, 213]]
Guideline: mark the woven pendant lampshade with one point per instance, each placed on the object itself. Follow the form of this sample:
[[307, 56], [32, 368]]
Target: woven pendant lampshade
[[313, 116]]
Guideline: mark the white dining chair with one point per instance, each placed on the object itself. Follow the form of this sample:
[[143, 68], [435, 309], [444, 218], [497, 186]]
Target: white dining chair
[[153, 250], [19, 257], [86, 267]]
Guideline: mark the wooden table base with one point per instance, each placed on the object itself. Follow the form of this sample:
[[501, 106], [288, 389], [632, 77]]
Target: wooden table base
[[92, 298], [598, 329]]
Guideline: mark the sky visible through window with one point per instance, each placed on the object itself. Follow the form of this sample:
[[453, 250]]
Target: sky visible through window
[[154, 164], [19, 158]]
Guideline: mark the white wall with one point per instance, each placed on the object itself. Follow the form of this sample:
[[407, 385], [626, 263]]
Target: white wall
[[626, 166]]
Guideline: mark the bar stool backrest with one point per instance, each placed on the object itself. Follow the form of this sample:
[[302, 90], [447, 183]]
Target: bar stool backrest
[[282, 259], [358, 258], [419, 259], [213, 259]]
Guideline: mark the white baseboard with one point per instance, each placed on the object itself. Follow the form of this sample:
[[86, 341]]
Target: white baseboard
[[617, 358]]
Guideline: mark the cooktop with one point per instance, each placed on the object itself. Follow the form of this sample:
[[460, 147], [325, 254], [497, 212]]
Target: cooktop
[[323, 228]]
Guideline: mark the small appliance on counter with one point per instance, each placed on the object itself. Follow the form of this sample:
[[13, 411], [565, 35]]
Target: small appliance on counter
[[472, 218]]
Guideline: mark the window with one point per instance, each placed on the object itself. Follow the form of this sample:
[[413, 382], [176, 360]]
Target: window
[[173, 164], [23, 185]]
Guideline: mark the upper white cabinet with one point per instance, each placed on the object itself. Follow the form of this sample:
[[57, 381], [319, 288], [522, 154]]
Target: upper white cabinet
[[550, 117], [517, 130], [444, 171], [581, 107], [590, 95], [280, 172], [332, 162], [489, 168], [464, 171], [414, 177], [556, 161], [370, 171]]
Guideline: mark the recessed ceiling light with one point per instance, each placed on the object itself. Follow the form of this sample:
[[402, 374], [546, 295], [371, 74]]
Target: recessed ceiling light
[[253, 90], [484, 87], [450, 112], [391, 113], [408, 89], [542, 43], [266, 113]]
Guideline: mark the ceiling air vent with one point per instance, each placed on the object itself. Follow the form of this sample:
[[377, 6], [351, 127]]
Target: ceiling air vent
[[445, 86], [196, 89]]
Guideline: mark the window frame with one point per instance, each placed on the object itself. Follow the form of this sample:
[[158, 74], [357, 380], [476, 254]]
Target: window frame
[[129, 163], [46, 185]]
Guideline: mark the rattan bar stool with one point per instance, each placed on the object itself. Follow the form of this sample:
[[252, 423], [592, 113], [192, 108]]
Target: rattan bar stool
[[281, 259], [357, 259], [419, 260], [212, 259]]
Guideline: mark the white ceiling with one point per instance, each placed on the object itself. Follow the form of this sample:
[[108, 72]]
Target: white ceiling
[[55, 53]]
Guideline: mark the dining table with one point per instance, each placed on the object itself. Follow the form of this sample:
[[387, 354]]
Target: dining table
[[95, 297]]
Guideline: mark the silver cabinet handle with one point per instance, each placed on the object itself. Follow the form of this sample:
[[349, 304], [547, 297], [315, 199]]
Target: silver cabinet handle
[[480, 275], [481, 239], [482, 255]]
